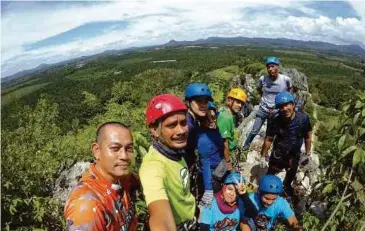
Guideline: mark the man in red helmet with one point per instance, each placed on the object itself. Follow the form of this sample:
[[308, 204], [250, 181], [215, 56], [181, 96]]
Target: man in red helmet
[[164, 173]]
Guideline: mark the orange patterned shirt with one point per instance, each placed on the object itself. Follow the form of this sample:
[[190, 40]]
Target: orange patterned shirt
[[95, 204]]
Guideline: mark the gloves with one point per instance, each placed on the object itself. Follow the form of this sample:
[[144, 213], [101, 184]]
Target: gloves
[[304, 159], [206, 199], [264, 162]]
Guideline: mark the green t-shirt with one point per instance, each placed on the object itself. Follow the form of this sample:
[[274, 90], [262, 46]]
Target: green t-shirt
[[165, 179], [225, 123]]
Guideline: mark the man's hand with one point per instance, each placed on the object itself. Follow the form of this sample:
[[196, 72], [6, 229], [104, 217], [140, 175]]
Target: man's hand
[[240, 186]]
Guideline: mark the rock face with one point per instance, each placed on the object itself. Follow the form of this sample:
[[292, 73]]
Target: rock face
[[307, 175], [68, 179], [300, 85]]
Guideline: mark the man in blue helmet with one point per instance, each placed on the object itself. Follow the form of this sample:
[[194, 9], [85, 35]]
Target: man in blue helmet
[[268, 87], [197, 96], [260, 211], [223, 213], [288, 131]]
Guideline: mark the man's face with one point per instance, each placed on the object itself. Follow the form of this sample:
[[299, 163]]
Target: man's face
[[174, 131], [268, 199], [272, 70], [229, 193], [286, 110], [114, 151], [212, 119], [199, 106], [236, 105]]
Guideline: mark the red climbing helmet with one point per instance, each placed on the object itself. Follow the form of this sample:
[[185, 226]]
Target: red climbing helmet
[[162, 105]]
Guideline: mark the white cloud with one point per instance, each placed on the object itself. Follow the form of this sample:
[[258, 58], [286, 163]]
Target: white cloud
[[158, 21]]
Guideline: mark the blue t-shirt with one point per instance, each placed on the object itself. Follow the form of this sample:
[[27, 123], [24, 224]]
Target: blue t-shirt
[[219, 221], [210, 145], [210, 148], [271, 88], [268, 216], [289, 135]]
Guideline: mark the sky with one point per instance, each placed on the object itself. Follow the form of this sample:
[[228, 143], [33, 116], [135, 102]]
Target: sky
[[45, 32]]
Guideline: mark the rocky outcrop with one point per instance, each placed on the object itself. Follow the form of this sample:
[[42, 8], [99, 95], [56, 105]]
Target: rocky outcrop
[[68, 179]]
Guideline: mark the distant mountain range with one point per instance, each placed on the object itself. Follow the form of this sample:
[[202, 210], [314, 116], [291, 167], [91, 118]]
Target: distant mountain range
[[351, 50], [354, 50]]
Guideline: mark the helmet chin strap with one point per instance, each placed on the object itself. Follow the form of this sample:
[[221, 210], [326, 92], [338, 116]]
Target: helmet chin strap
[[231, 105], [159, 130]]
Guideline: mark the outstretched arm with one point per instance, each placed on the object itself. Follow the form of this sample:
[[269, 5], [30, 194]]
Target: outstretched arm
[[161, 217]]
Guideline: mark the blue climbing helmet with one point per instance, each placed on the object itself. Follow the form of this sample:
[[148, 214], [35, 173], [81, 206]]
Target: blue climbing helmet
[[283, 97], [270, 184], [234, 178], [212, 106], [272, 60], [197, 89]]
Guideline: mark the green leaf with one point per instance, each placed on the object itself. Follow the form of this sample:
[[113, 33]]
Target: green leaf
[[142, 150], [334, 228], [7, 184], [348, 151], [357, 157], [346, 107], [362, 96], [356, 118], [341, 141], [328, 188], [359, 104], [356, 185], [363, 112]]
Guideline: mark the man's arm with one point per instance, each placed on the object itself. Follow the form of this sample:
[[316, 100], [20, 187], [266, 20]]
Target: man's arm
[[308, 141], [266, 146], [293, 223], [227, 155], [161, 217]]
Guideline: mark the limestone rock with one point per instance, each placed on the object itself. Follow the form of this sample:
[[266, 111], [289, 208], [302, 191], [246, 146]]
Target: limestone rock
[[68, 179]]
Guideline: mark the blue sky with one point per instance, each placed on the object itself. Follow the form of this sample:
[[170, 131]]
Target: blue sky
[[33, 33]]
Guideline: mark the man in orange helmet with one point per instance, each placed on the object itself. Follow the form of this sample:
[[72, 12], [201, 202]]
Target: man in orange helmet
[[226, 123], [164, 173]]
